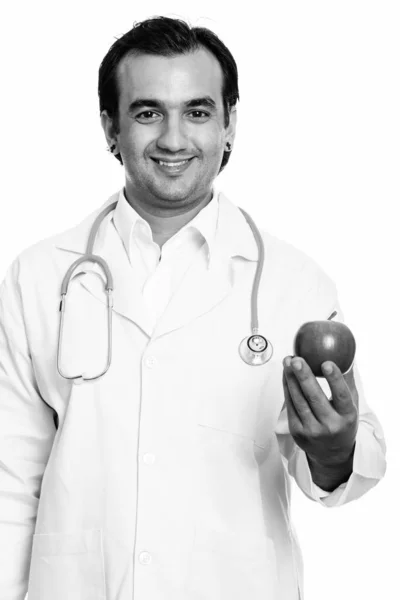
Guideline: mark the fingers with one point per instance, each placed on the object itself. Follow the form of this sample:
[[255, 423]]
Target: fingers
[[351, 383], [293, 417], [307, 395], [340, 385]]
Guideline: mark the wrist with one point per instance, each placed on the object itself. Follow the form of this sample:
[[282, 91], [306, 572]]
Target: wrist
[[333, 463], [329, 475]]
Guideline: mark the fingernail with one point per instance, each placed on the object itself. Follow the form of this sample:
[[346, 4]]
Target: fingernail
[[328, 369], [296, 364], [287, 362]]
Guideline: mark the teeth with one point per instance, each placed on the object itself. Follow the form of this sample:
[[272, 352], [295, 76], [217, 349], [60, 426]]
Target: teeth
[[173, 164]]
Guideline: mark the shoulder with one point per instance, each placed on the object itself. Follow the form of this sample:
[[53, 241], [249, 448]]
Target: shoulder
[[47, 251], [294, 271], [285, 265], [38, 264]]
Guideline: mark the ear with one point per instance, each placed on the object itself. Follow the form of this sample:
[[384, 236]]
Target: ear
[[230, 131], [109, 131]]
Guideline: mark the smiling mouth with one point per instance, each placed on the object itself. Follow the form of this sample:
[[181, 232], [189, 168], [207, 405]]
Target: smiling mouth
[[171, 164]]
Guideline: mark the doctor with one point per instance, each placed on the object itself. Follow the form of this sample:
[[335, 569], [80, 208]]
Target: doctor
[[169, 476]]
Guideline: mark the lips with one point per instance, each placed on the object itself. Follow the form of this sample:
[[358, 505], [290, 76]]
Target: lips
[[171, 163], [173, 167]]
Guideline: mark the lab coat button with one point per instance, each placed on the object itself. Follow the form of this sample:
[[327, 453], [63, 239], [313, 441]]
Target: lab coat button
[[149, 458], [145, 558], [150, 361]]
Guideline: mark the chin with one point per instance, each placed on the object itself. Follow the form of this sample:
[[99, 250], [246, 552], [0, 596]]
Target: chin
[[173, 193]]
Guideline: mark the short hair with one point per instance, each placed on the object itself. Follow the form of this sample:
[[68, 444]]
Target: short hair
[[164, 36]]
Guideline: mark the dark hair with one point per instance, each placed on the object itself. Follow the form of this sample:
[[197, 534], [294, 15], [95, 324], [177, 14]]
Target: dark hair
[[164, 36]]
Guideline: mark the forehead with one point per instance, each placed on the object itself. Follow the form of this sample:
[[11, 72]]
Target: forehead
[[170, 79]]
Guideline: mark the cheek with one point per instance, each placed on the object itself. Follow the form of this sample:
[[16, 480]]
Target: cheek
[[134, 140], [210, 138], [219, 146], [215, 154]]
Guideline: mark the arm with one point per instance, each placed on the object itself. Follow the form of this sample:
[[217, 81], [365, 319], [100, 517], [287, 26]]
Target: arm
[[27, 432], [368, 464], [325, 429], [332, 483]]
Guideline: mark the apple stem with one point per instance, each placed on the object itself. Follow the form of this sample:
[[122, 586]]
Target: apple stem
[[332, 315]]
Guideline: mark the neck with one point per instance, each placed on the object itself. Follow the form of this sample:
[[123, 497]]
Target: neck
[[163, 225]]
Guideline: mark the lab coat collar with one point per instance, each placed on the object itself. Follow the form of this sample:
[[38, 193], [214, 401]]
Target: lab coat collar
[[201, 288], [233, 235]]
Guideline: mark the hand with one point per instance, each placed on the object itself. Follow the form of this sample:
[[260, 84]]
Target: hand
[[325, 430]]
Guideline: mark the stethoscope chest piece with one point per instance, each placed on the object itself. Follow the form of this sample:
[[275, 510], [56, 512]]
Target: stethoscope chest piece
[[255, 350]]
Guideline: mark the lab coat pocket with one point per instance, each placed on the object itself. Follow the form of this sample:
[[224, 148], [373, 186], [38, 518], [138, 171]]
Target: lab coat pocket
[[66, 566], [240, 399], [228, 566]]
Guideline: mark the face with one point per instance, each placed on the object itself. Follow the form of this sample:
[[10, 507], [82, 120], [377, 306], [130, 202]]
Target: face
[[172, 133]]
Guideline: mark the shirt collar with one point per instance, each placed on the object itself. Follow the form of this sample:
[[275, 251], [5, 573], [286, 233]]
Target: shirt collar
[[233, 236], [205, 222]]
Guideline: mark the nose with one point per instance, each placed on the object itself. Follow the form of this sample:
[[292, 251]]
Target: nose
[[173, 136]]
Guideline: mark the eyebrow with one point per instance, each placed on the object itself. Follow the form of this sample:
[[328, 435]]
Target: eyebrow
[[206, 101]]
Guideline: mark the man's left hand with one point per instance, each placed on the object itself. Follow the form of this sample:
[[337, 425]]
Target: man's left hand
[[325, 429]]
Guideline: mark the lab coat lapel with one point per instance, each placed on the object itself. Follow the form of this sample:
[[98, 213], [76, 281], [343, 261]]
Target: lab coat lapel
[[127, 300], [201, 289], [204, 288]]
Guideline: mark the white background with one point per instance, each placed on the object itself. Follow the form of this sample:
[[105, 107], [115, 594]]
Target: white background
[[316, 162]]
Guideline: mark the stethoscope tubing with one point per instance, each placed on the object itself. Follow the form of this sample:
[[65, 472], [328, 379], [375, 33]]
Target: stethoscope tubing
[[109, 287], [259, 269]]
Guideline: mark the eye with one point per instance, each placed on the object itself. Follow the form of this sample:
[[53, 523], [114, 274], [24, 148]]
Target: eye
[[147, 115], [199, 114]]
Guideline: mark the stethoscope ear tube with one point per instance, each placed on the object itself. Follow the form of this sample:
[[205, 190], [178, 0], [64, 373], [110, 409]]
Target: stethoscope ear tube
[[88, 258], [109, 286], [82, 377]]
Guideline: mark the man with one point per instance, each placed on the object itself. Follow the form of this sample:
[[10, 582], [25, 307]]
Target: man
[[168, 476]]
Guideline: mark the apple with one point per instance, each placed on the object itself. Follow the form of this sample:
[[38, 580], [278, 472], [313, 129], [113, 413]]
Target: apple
[[318, 341]]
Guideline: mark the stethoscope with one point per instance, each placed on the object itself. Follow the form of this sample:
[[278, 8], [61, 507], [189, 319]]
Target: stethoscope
[[255, 349]]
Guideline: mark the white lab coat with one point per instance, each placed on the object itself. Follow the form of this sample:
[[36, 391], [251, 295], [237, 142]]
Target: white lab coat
[[167, 479]]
